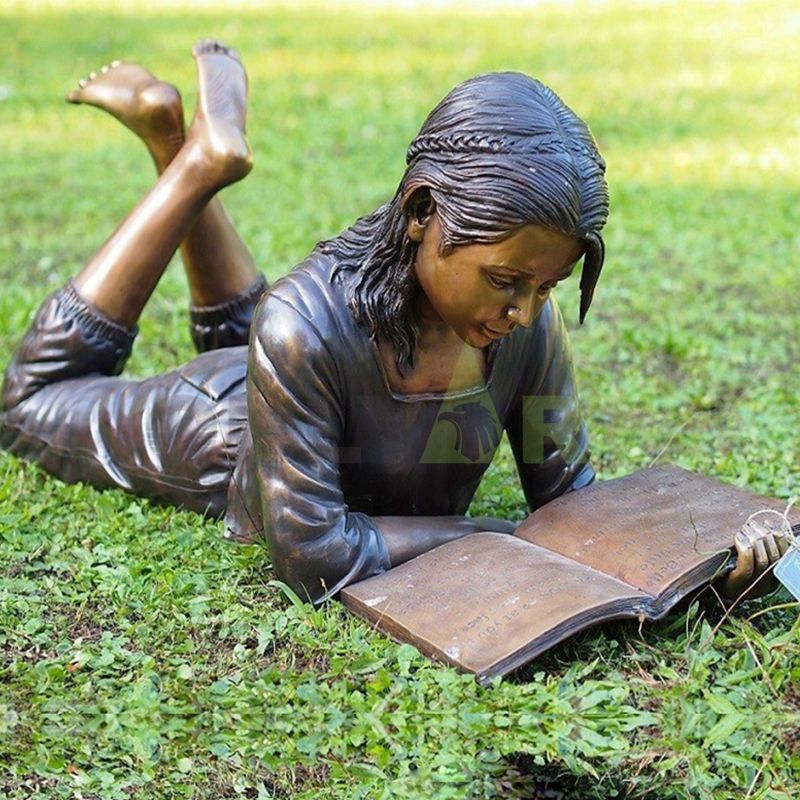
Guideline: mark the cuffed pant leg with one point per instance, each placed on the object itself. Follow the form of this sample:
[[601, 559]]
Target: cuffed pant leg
[[226, 324], [68, 338]]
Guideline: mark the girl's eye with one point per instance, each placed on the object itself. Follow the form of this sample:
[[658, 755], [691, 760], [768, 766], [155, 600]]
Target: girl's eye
[[546, 287], [500, 283]]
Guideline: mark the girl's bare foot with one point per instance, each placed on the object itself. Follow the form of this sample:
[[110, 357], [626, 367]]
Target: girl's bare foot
[[149, 107], [216, 142]]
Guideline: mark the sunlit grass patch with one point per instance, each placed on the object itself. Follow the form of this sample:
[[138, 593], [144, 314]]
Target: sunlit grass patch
[[141, 655]]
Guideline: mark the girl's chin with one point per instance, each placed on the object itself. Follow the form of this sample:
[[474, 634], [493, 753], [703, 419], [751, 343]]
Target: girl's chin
[[478, 338]]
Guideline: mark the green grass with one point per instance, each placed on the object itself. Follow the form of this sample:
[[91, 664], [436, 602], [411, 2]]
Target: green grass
[[142, 656]]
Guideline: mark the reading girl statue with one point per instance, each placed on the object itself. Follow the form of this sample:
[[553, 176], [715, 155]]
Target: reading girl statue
[[427, 319]]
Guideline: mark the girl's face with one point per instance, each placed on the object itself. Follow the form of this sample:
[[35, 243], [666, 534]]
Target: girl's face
[[482, 291]]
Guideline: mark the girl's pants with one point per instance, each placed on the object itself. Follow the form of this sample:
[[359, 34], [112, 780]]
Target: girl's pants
[[172, 437]]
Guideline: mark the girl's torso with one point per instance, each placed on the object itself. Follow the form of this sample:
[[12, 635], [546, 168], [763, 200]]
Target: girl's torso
[[406, 446]]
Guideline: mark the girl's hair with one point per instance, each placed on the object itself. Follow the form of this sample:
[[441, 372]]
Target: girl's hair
[[501, 151]]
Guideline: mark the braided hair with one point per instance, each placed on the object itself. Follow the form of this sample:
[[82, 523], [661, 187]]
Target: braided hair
[[499, 152]]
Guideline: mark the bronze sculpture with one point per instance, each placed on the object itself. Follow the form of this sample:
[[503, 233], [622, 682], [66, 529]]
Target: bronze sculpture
[[381, 371]]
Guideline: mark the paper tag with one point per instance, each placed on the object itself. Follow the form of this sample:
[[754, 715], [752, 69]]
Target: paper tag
[[787, 570]]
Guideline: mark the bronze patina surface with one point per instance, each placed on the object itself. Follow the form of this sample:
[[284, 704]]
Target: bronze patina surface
[[380, 373]]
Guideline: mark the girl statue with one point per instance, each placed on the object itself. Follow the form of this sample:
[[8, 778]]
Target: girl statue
[[380, 373]]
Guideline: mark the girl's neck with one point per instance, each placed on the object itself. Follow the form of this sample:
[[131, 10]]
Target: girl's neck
[[442, 363]]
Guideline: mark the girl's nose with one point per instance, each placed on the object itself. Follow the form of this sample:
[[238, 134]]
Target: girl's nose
[[525, 307]]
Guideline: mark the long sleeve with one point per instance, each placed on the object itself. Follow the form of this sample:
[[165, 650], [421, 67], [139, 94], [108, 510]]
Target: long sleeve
[[547, 433], [295, 408]]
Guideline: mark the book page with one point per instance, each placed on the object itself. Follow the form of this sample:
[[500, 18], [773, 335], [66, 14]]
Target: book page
[[649, 529], [477, 601]]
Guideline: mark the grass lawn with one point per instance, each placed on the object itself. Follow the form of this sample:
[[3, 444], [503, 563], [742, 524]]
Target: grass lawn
[[142, 656]]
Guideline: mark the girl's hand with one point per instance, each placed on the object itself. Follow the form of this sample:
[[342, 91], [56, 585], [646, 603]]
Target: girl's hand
[[759, 546]]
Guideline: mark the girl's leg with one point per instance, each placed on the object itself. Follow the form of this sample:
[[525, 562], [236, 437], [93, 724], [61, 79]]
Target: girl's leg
[[171, 437], [218, 265], [120, 277]]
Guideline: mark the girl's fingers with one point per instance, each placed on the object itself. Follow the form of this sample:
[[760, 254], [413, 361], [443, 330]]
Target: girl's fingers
[[745, 562], [759, 546], [771, 545], [762, 560]]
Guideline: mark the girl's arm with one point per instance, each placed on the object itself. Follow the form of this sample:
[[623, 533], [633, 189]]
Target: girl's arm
[[545, 427], [407, 537]]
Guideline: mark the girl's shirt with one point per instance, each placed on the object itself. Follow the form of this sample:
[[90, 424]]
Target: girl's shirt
[[330, 445]]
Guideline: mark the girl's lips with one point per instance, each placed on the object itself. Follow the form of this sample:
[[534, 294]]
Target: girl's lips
[[492, 334]]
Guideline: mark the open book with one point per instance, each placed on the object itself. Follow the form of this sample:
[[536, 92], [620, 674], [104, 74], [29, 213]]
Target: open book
[[630, 547]]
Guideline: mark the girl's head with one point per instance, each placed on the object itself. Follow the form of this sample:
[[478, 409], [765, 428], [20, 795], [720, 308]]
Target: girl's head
[[500, 152]]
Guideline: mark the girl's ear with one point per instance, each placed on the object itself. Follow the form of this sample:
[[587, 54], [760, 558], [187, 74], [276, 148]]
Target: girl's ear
[[418, 208]]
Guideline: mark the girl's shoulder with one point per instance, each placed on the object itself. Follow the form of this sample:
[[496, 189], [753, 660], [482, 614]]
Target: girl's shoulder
[[306, 311], [308, 288]]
